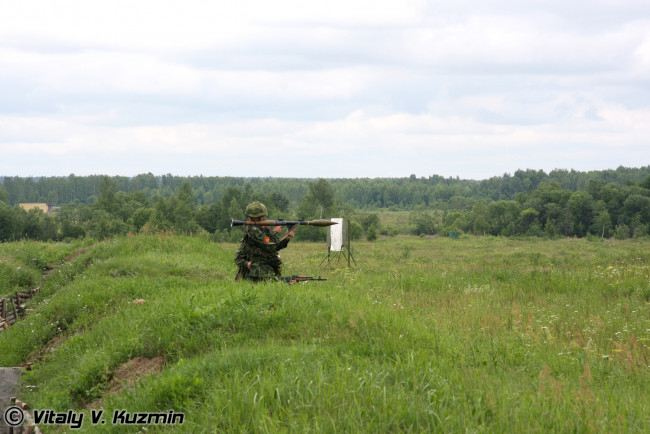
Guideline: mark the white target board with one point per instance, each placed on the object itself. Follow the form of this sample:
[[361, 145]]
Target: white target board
[[337, 236]]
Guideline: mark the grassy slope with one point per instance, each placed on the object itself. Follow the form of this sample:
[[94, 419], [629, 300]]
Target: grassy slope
[[427, 334], [23, 263]]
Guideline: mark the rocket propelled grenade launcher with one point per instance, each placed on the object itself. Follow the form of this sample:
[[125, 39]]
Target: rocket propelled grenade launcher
[[320, 222]]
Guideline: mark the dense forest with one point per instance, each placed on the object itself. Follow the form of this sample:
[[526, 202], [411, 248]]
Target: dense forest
[[361, 193], [528, 203]]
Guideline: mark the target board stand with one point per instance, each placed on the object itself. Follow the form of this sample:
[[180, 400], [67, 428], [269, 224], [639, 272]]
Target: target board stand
[[338, 243]]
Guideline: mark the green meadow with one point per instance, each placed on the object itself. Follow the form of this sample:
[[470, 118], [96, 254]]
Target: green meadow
[[477, 334]]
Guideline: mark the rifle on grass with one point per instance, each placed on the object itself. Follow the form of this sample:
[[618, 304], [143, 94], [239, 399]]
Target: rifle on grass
[[296, 279]]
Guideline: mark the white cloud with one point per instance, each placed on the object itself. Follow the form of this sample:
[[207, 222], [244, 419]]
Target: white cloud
[[191, 24], [93, 72], [415, 86], [641, 57], [392, 134]]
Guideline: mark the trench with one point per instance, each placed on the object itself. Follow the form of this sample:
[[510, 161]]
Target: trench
[[10, 377]]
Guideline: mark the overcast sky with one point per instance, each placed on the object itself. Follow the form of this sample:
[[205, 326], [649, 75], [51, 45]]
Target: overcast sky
[[343, 88]]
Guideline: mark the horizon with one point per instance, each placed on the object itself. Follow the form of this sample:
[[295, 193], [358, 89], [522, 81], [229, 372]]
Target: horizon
[[418, 177]]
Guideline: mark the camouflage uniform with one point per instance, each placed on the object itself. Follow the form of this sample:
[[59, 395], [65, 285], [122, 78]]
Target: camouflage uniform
[[260, 246]]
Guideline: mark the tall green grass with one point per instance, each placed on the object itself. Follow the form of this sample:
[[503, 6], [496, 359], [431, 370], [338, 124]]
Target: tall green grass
[[23, 263], [476, 334]]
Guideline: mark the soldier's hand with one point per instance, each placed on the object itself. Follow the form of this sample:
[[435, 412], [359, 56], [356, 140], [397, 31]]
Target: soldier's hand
[[249, 264], [277, 229], [290, 234]]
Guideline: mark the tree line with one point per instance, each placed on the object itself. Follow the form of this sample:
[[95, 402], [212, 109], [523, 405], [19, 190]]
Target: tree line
[[603, 209], [530, 203], [115, 212], [362, 193]]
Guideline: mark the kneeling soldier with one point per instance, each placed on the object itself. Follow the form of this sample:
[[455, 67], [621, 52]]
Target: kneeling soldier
[[257, 258]]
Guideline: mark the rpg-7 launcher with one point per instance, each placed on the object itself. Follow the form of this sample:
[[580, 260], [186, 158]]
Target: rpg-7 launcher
[[321, 222]]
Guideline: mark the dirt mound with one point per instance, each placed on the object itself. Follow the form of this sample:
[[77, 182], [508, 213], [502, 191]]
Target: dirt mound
[[128, 373]]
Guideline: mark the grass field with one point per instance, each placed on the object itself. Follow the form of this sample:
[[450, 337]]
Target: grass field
[[424, 334]]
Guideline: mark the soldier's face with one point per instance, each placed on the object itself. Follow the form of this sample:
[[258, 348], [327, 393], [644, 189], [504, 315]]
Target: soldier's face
[[257, 219]]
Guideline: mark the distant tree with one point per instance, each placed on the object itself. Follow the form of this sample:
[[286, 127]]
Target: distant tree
[[7, 223], [140, 217], [186, 197], [527, 220], [247, 194], [163, 215], [581, 209], [451, 218], [502, 216], [646, 183], [479, 212], [235, 210], [107, 200], [549, 229], [33, 228], [621, 232], [371, 233], [70, 230], [356, 231], [368, 220], [279, 201], [184, 209], [481, 226], [553, 211], [307, 209], [320, 200], [594, 186], [637, 205], [423, 222], [103, 225], [602, 221], [638, 227], [207, 217]]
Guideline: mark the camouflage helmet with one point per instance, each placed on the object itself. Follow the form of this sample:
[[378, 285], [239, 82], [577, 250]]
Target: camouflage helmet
[[256, 209]]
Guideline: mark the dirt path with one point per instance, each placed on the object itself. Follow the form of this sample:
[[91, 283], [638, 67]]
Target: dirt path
[[9, 382]]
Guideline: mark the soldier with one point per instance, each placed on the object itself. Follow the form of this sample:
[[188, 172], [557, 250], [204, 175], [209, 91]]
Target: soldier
[[257, 258]]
